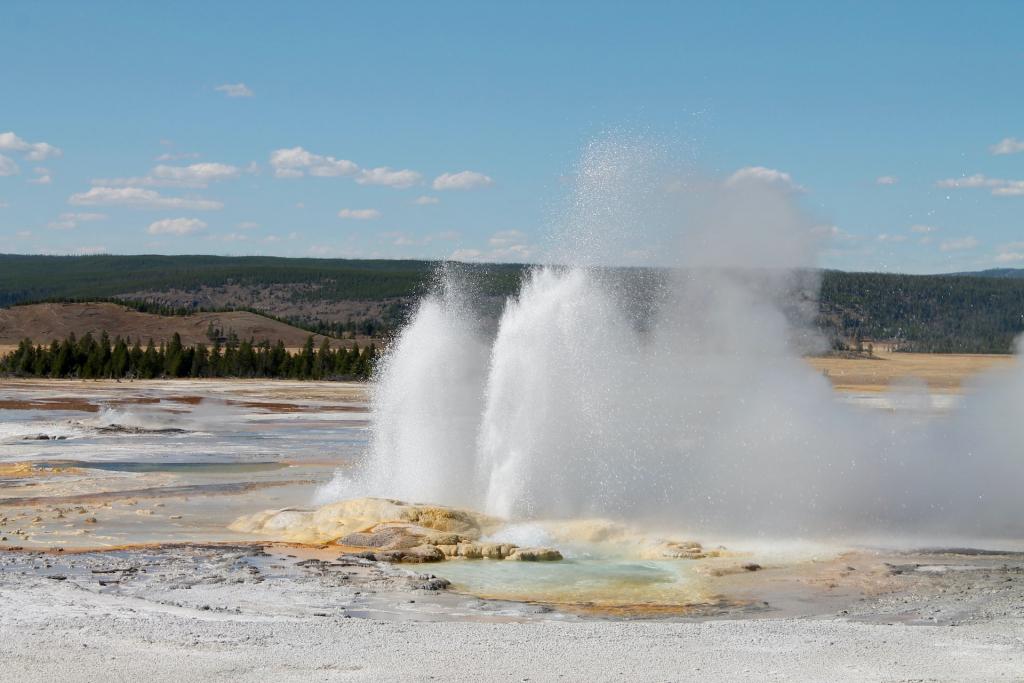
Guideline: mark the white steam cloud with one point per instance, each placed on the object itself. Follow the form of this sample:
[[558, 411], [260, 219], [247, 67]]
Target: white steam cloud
[[688, 405]]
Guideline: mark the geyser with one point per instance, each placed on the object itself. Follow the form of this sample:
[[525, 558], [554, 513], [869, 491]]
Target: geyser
[[683, 401]]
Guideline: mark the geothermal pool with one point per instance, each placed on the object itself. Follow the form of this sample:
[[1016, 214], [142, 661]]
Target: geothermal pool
[[104, 465]]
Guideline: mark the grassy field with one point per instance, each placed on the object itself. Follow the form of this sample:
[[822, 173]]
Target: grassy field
[[943, 372], [45, 322]]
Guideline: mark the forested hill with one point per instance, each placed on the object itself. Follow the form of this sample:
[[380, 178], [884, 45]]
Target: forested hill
[[35, 278], [997, 272], [965, 313], [929, 313]]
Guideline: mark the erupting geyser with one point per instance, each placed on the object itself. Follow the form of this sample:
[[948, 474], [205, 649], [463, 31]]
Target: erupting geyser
[[675, 395]]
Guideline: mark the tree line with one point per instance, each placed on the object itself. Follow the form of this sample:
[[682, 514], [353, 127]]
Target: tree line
[[966, 313], [924, 313], [104, 358]]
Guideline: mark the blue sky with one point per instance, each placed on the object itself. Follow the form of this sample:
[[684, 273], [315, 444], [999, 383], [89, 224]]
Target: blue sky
[[441, 129]]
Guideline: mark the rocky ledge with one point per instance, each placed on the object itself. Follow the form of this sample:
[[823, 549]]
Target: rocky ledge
[[393, 531]]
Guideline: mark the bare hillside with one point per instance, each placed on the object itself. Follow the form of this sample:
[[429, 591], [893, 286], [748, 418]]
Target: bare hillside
[[42, 323]]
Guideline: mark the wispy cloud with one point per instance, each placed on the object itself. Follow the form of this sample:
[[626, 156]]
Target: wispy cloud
[[1007, 146], [958, 244], [1012, 188], [32, 151], [177, 156], [295, 162], [42, 176], [70, 221], [1011, 253], [922, 229], [463, 180], [140, 198], [502, 246], [176, 226], [402, 239], [8, 166], [193, 176], [971, 181], [359, 214], [399, 179], [886, 180], [1000, 187], [762, 174], [235, 90], [833, 232], [425, 200]]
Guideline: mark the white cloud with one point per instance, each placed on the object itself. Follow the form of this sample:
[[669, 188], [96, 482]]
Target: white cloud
[[885, 237], [88, 251], [138, 197], [832, 231], [42, 176], [198, 175], [1013, 188], [193, 176], [177, 156], [959, 244], [463, 180], [1000, 187], [762, 174], [466, 255], [8, 166], [505, 246], [1011, 253], [23, 234], [176, 226], [976, 180], [69, 221], [234, 237], [886, 180], [401, 239], [388, 177], [270, 239], [235, 90], [295, 162], [247, 225], [922, 229], [359, 214], [424, 200], [1007, 146], [505, 238], [33, 151]]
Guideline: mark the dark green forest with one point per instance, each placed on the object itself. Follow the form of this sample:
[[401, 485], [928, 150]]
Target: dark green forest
[[36, 278], [924, 313], [103, 358], [958, 313]]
